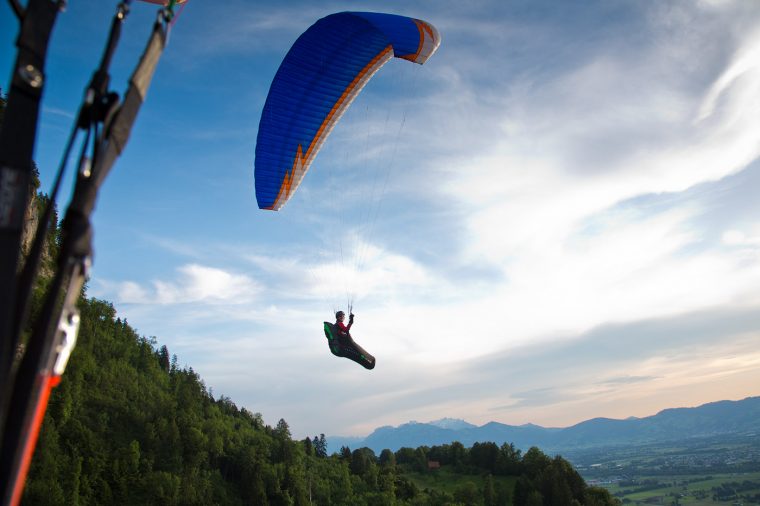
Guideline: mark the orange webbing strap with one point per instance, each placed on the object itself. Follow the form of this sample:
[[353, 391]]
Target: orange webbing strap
[[49, 382]]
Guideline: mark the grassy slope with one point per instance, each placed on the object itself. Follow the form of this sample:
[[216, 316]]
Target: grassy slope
[[446, 480]]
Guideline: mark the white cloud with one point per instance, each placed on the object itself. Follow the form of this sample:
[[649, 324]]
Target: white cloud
[[739, 238], [355, 266], [194, 283], [129, 291]]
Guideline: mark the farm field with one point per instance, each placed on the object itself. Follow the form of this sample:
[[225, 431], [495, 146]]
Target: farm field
[[730, 488]]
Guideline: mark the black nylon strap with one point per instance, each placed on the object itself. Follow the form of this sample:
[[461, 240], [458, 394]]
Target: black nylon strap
[[17, 139]]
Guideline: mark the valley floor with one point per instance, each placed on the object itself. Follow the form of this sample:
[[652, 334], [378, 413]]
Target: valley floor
[[699, 472]]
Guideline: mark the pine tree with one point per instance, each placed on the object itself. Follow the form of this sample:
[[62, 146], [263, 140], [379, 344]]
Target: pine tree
[[320, 445], [163, 358], [283, 429]]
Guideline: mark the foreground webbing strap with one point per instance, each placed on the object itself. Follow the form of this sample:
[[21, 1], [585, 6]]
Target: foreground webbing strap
[[118, 130], [17, 139]]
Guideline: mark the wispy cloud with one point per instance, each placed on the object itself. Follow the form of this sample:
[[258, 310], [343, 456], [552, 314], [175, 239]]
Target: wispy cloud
[[241, 29], [553, 204], [178, 247], [59, 112], [627, 380]]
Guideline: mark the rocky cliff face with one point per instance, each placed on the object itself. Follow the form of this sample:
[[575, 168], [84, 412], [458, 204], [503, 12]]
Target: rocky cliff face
[[34, 211], [45, 268], [31, 220]]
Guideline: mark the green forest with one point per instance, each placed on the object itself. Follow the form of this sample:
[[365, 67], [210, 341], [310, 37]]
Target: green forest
[[127, 425]]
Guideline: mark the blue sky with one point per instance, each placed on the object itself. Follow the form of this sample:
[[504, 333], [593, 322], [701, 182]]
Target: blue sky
[[555, 218]]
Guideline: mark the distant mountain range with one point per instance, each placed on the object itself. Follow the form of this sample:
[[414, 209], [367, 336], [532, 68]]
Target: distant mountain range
[[713, 419]]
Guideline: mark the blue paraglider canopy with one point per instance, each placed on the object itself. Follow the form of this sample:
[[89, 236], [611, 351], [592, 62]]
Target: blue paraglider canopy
[[318, 79]]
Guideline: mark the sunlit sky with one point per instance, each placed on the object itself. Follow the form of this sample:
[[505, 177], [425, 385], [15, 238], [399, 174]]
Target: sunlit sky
[[554, 219]]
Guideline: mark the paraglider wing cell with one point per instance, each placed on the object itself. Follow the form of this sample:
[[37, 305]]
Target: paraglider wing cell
[[317, 80]]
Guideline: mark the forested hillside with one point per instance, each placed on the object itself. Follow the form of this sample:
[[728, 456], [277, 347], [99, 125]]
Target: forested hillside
[[128, 426]]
